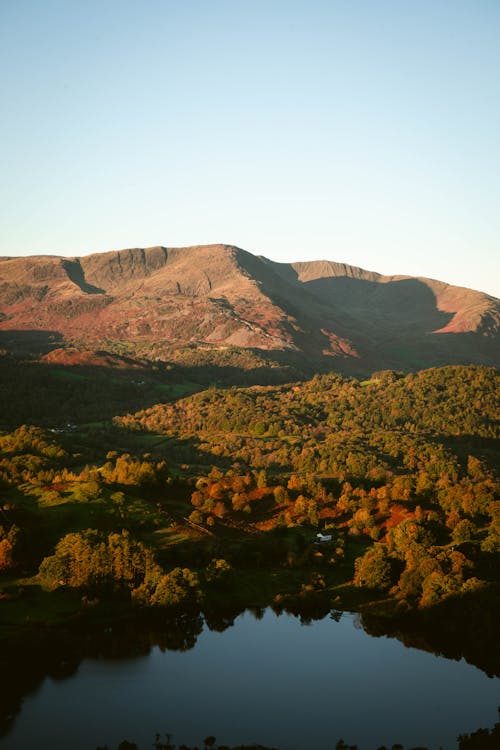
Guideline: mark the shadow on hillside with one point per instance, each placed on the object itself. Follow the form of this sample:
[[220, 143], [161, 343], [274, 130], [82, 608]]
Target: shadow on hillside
[[402, 320], [31, 344], [55, 395], [440, 349], [391, 325], [75, 273], [62, 396], [396, 305]]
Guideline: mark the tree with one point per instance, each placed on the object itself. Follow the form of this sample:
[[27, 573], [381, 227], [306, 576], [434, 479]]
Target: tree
[[196, 517], [8, 541], [373, 570], [218, 570], [53, 572], [180, 586], [463, 531]]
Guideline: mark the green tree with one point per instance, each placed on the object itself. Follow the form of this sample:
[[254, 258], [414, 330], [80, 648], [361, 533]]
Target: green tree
[[180, 586], [373, 570]]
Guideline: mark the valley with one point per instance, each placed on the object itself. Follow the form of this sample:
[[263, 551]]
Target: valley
[[166, 480]]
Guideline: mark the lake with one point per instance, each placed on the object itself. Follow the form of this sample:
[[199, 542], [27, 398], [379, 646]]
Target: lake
[[267, 679]]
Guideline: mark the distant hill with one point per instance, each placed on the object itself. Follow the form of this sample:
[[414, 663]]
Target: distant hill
[[150, 303]]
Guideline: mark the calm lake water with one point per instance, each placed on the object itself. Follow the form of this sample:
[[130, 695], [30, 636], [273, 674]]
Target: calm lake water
[[269, 680]]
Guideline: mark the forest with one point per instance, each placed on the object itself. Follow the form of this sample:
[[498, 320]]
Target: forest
[[218, 496]]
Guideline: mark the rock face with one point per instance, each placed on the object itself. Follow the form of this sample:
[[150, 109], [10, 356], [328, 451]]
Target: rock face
[[155, 299]]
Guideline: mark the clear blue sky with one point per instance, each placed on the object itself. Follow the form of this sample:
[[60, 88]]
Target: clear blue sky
[[359, 131]]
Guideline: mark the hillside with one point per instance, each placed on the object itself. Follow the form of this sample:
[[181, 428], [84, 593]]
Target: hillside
[[153, 302]]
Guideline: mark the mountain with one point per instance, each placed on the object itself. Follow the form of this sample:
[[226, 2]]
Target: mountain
[[150, 303]]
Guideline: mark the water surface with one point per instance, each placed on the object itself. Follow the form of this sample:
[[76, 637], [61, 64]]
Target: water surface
[[270, 680]]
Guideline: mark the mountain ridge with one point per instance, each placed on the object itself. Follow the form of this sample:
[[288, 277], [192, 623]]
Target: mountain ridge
[[336, 315]]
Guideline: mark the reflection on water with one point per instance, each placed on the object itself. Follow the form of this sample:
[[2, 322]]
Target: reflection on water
[[251, 677]]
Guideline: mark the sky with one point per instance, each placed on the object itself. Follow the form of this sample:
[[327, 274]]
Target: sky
[[360, 131]]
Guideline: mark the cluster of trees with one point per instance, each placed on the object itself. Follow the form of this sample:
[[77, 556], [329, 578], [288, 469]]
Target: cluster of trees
[[31, 455], [421, 551], [482, 739], [124, 469], [26, 453], [416, 575], [97, 564], [168, 744], [444, 401], [89, 560], [220, 495]]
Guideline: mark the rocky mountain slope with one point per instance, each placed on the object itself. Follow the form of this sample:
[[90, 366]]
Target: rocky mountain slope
[[149, 302]]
